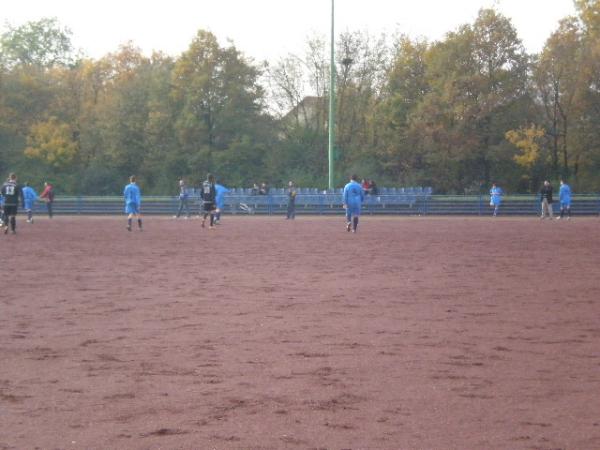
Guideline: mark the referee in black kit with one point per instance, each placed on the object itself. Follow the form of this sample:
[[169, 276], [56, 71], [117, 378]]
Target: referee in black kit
[[11, 192], [209, 195]]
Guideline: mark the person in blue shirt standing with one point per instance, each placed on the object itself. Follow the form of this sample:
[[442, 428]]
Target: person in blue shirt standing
[[564, 195], [495, 198], [29, 198], [220, 201], [1, 210], [133, 202], [352, 201]]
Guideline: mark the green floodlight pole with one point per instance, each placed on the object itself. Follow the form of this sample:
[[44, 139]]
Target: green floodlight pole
[[331, 103]]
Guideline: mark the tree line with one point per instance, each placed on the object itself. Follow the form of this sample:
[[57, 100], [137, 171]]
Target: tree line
[[456, 114]]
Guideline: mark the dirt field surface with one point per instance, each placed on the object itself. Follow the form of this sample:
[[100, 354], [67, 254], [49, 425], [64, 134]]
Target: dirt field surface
[[414, 333]]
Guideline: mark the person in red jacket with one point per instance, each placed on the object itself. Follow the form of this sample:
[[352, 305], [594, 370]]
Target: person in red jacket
[[48, 196]]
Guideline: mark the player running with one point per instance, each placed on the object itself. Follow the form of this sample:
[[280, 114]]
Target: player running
[[29, 198], [1, 211], [495, 198], [564, 195], [133, 202], [209, 195], [220, 201], [11, 192], [352, 202]]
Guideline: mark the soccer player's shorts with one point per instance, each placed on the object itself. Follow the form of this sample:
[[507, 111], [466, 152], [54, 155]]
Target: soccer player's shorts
[[132, 208], [352, 210], [28, 205], [565, 204], [209, 206], [10, 210]]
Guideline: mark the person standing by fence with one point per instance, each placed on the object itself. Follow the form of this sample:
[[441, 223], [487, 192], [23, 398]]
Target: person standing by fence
[[183, 200], [546, 200], [291, 206], [564, 195], [352, 201], [133, 202], [495, 198], [48, 197]]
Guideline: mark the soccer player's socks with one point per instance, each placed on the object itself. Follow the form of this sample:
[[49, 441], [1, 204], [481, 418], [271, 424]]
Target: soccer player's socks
[[355, 224], [129, 223], [13, 223], [212, 220], [562, 212], [140, 223], [29, 215]]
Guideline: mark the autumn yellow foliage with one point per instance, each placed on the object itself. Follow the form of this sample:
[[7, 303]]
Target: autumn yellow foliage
[[527, 141], [52, 141]]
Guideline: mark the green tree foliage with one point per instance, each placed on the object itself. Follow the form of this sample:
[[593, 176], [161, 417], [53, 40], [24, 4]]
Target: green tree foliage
[[300, 101], [477, 78], [43, 44], [558, 77], [454, 114], [219, 108], [395, 143], [566, 77]]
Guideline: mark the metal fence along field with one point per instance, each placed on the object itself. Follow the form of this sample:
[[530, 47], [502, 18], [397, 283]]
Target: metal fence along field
[[400, 202]]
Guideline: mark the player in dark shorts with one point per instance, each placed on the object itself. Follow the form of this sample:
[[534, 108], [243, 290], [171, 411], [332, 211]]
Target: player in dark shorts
[[11, 192], [209, 196]]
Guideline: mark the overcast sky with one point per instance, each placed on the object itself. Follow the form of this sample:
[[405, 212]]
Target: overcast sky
[[268, 29]]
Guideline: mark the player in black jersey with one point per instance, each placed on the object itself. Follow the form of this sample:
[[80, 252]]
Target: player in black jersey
[[11, 192], [209, 195]]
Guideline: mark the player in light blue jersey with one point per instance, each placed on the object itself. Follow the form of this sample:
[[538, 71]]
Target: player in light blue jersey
[[220, 201], [495, 198], [133, 202], [564, 195], [29, 198], [1, 210], [352, 199]]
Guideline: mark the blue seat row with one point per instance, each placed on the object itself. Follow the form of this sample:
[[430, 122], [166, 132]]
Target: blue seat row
[[312, 190]]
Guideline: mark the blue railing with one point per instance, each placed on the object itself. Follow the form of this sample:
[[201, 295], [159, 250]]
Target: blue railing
[[311, 201]]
